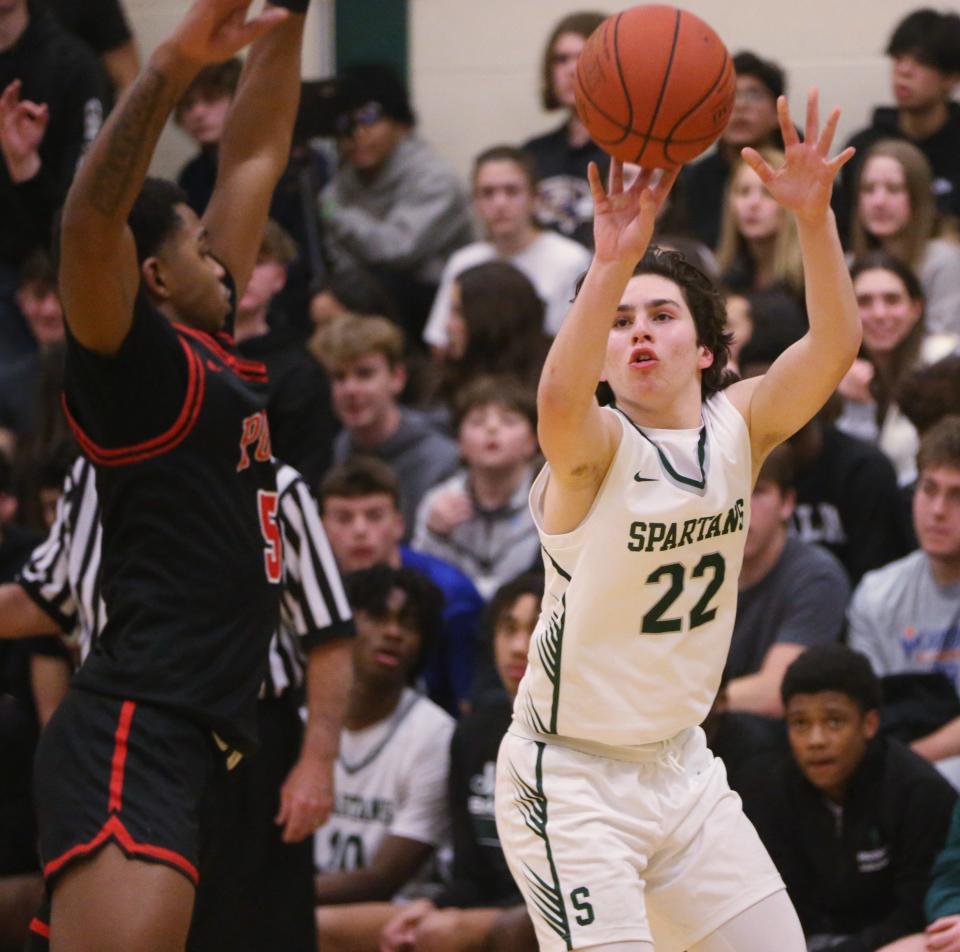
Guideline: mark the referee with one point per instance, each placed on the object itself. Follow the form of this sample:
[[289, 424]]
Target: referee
[[276, 796]]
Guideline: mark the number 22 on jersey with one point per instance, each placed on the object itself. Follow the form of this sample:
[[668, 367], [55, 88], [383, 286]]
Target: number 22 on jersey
[[711, 568]]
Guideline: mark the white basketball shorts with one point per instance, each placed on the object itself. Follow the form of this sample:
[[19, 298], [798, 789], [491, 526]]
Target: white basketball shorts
[[655, 848]]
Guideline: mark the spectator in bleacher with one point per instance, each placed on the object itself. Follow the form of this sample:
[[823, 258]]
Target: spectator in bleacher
[[853, 821], [503, 200], [759, 247], [390, 812], [895, 212], [103, 26], [360, 506], [895, 342], [349, 290], [201, 113], [302, 423], [364, 357], [924, 53], [906, 616], [466, 914], [790, 594], [393, 206], [52, 94], [38, 300], [942, 905], [931, 393], [561, 157], [847, 497], [494, 326], [700, 189], [479, 519]]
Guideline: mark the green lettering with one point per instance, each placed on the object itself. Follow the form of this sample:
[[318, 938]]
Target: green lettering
[[731, 523], [670, 542], [740, 513], [578, 899], [702, 521], [657, 529], [636, 533], [714, 529], [686, 537]]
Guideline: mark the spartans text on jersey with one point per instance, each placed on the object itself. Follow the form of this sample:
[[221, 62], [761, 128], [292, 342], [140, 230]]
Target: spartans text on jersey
[[661, 536]]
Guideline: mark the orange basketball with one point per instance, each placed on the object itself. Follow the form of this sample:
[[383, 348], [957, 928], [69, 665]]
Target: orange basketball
[[655, 86]]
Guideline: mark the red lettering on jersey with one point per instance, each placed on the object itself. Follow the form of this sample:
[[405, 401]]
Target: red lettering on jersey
[[256, 430], [273, 553]]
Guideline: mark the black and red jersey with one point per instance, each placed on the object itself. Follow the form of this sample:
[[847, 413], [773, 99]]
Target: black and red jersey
[[176, 427]]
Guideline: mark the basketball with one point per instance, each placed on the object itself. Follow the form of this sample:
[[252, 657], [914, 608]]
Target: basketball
[[655, 86]]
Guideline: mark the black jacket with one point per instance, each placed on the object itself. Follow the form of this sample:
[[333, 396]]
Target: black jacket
[[59, 70], [862, 874]]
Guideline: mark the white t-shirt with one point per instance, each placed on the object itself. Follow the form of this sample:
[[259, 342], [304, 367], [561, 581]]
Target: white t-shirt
[[640, 598], [390, 779], [551, 262]]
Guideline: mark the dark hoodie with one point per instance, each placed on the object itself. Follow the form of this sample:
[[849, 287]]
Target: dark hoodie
[[860, 872], [942, 150], [59, 70]]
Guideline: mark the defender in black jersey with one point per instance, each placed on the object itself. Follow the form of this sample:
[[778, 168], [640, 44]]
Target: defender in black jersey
[[174, 421]]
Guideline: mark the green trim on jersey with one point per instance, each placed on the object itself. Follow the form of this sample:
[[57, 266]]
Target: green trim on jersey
[[532, 804], [699, 486], [549, 644]]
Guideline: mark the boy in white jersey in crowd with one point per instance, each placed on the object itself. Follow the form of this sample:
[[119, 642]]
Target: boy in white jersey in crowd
[[617, 822]]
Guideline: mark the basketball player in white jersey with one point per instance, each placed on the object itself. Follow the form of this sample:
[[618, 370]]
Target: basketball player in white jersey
[[616, 820]]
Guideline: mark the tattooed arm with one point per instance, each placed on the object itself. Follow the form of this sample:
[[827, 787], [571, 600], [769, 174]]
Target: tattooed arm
[[99, 274]]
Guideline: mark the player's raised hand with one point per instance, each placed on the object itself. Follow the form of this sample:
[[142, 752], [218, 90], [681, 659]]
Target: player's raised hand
[[804, 183], [624, 218], [214, 30]]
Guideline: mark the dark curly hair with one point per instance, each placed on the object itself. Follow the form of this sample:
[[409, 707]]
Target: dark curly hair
[[707, 307]]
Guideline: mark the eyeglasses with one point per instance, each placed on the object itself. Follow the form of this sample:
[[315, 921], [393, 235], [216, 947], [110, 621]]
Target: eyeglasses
[[752, 96], [366, 115]]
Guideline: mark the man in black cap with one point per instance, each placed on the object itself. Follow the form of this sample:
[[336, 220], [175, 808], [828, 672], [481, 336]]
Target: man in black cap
[[394, 206]]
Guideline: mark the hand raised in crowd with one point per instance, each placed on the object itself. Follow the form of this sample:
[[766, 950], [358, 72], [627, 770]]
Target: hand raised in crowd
[[448, 510], [855, 385], [23, 125], [214, 30], [804, 183], [943, 935]]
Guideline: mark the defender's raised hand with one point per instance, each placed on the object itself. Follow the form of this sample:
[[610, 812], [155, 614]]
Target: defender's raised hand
[[623, 219], [214, 30], [804, 183]]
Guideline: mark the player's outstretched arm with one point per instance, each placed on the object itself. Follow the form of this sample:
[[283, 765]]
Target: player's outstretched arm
[[576, 437], [255, 147], [777, 404], [98, 270]]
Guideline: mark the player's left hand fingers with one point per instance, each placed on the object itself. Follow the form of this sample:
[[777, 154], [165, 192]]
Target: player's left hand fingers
[[842, 159], [811, 132], [787, 128], [759, 165], [829, 131], [662, 189]]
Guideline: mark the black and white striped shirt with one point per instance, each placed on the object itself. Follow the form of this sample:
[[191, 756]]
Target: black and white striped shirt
[[62, 575]]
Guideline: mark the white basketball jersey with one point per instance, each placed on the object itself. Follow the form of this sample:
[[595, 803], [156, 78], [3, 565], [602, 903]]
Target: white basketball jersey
[[389, 779], [640, 598]]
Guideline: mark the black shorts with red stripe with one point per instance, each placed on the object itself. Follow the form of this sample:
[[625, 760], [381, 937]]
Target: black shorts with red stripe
[[123, 772]]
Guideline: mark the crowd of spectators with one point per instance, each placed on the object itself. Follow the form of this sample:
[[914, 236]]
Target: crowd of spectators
[[404, 316]]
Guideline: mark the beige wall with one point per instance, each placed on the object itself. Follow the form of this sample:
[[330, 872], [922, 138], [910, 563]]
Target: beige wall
[[474, 64]]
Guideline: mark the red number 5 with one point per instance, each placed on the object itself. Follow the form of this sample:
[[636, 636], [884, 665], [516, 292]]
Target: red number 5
[[273, 553]]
